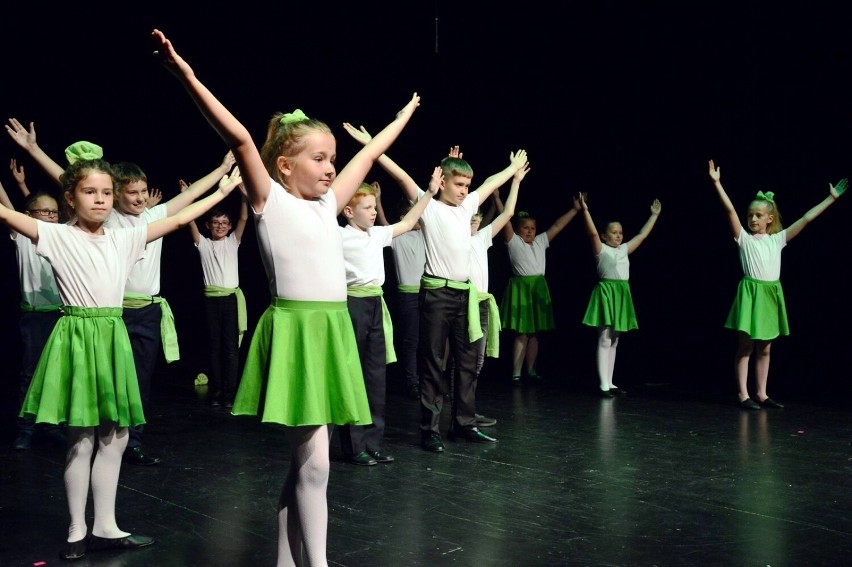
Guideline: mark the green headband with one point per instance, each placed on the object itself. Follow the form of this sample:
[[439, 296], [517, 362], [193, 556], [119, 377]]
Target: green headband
[[768, 196], [292, 117], [83, 150]]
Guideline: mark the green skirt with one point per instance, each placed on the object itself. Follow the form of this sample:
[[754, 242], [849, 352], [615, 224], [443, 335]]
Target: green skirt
[[526, 307], [86, 375], [759, 310], [611, 305], [303, 367]]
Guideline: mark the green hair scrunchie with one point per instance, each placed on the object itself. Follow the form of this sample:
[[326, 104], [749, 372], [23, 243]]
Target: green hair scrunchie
[[83, 150], [768, 196], [522, 214], [292, 117]]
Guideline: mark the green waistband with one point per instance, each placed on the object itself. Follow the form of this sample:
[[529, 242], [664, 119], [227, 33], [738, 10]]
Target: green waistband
[[282, 303], [74, 311]]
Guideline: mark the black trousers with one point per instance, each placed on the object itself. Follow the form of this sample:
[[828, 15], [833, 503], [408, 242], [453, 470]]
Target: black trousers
[[223, 345], [406, 330], [143, 327]]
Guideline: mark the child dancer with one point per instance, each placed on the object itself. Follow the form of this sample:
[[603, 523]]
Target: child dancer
[[363, 243], [303, 355], [759, 313], [86, 375], [526, 307], [610, 308]]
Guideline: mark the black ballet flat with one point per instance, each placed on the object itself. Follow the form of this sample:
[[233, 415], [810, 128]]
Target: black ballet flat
[[73, 550], [127, 542]]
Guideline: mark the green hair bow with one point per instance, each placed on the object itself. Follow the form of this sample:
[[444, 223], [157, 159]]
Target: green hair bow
[[768, 196], [83, 150], [295, 116]]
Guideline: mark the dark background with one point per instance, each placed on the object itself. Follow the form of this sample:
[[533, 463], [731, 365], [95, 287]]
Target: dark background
[[626, 101]]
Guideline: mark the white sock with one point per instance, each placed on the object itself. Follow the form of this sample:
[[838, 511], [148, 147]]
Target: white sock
[[78, 463]]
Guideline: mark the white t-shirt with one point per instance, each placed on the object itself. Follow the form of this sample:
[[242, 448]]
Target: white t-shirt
[[479, 244], [219, 261], [528, 259], [760, 254], [613, 263], [91, 271], [409, 256], [363, 254], [301, 246], [446, 231], [38, 286], [144, 278]]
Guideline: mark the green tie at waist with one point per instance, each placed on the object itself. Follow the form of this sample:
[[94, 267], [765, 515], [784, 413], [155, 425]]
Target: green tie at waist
[[168, 332], [492, 342], [387, 324], [242, 320], [408, 288], [474, 329]]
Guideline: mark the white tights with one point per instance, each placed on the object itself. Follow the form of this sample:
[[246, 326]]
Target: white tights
[[303, 509], [607, 343], [102, 473]]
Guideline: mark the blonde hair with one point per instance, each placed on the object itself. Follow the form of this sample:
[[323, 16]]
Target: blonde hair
[[777, 224], [287, 139]]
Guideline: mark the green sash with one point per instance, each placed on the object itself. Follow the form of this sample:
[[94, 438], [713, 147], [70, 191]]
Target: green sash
[[408, 288], [25, 306], [474, 329], [242, 320], [492, 342], [168, 332], [387, 324]]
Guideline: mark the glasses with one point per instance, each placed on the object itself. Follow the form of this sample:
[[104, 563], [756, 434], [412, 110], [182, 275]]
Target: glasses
[[45, 212], [220, 223]]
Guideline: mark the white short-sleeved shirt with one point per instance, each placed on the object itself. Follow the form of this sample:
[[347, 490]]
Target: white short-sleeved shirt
[[301, 246], [91, 271], [144, 278], [363, 254], [220, 260], [528, 259], [760, 254], [409, 256], [613, 263], [479, 244], [446, 232], [35, 275]]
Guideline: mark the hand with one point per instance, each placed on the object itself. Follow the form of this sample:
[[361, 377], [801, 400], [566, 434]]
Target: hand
[[839, 189], [167, 55], [17, 172], [229, 181], [455, 152], [581, 202], [656, 207], [183, 185], [229, 161], [409, 108], [436, 180], [518, 159], [715, 172], [378, 189], [360, 135], [154, 198], [25, 139], [522, 172]]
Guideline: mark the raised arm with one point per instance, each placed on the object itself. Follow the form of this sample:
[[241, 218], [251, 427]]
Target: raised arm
[[563, 221], [407, 184], [413, 215], [200, 187], [507, 211], [162, 227], [236, 136], [834, 193], [20, 177], [591, 230], [634, 242], [154, 197], [192, 226], [17, 222], [242, 219], [733, 220], [517, 160], [381, 218], [27, 140]]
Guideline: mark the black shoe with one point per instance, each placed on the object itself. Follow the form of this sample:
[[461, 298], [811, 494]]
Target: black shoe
[[482, 421], [414, 392], [23, 441], [132, 541], [606, 393], [137, 456], [73, 550], [361, 459], [516, 380], [471, 434], [381, 457], [432, 442], [618, 391], [770, 403], [748, 404]]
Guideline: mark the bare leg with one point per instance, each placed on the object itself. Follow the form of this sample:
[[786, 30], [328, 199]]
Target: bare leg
[[518, 352], [303, 509], [744, 348], [761, 367], [112, 441], [532, 354], [78, 468]]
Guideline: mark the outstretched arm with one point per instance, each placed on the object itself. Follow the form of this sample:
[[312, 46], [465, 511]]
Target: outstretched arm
[[20, 177], [192, 226], [634, 242], [413, 214], [834, 193], [506, 212], [407, 184], [17, 222], [716, 176], [27, 140], [563, 221], [236, 136], [591, 230], [517, 160], [200, 187], [242, 219]]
